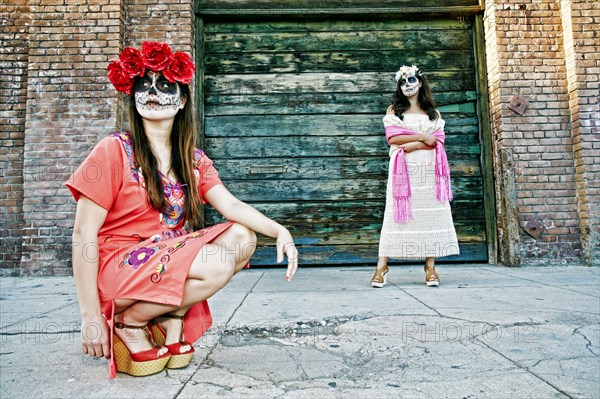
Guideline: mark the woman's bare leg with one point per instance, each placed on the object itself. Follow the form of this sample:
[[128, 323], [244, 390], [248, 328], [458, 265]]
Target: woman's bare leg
[[210, 271], [431, 276], [243, 248], [430, 262], [378, 279], [382, 263]]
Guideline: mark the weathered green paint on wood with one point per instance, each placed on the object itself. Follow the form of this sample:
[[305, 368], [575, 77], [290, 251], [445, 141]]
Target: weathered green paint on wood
[[270, 4], [319, 125], [366, 82], [293, 121], [384, 40], [335, 61], [319, 146], [309, 103], [334, 190], [357, 254], [323, 168], [227, 10], [332, 25], [351, 211], [340, 233]]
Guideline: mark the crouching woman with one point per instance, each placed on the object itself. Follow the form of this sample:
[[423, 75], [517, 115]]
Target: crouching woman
[[142, 268]]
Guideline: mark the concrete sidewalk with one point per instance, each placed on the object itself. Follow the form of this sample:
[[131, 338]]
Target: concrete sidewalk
[[486, 332]]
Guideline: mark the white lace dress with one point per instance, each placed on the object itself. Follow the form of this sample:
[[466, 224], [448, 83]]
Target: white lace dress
[[431, 232]]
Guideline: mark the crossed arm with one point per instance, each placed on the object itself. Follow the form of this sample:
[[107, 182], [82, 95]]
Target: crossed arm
[[414, 141]]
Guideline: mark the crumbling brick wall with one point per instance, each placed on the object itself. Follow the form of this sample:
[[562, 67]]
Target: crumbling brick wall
[[539, 165], [14, 42], [581, 24], [69, 107]]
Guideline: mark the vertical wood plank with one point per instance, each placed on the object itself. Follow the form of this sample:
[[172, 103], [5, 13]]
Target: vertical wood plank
[[199, 89], [486, 139]]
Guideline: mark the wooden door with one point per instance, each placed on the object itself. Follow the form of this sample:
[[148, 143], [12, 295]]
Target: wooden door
[[293, 120]]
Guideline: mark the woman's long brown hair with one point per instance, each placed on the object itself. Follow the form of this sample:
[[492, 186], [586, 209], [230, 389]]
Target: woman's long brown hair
[[401, 103], [182, 158]]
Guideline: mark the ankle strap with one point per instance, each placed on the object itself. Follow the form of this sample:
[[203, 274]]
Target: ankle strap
[[177, 317], [143, 327], [120, 325], [171, 316]]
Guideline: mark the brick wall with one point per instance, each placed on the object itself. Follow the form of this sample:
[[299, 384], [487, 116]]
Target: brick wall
[[506, 212], [69, 107], [528, 58], [14, 19], [581, 23], [171, 21]]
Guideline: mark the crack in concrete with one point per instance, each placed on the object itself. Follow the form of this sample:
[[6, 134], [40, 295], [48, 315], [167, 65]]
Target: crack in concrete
[[207, 359], [293, 335], [271, 378], [589, 343], [418, 300], [326, 326], [39, 332], [540, 283], [39, 315], [225, 387], [536, 363], [354, 362], [296, 362], [321, 330], [526, 369]]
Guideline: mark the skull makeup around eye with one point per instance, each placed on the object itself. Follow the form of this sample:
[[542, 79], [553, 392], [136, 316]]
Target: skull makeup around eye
[[411, 80], [410, 86], [154, 92]]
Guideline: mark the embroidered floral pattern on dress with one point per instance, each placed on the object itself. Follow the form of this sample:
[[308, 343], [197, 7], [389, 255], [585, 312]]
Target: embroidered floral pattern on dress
[[176, 198], [140, 256], [174, 194], [168, 234], [135, 172], [166, 258]]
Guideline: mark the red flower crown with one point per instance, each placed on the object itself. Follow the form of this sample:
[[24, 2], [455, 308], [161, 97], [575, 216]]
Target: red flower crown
[[156, 57]]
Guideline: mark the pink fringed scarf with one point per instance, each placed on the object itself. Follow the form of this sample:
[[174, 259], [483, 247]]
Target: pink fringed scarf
[[401, 180]]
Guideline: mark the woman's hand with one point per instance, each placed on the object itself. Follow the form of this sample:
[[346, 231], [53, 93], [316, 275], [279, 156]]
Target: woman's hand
[[237, 211], [412, 146], [95, 337], [390, 110], [428, 139], [285, 245]]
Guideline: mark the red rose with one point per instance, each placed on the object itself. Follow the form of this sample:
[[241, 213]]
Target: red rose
[[181, 69], [132, 62], [119, 78], [157, 56]]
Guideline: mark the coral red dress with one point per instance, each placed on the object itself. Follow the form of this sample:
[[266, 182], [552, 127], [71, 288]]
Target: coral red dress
[[144, 255]]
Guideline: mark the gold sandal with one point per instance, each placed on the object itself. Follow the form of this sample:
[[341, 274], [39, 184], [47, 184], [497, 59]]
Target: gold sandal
[[178, 359], [138, 364], [432, 279], [379, 279]]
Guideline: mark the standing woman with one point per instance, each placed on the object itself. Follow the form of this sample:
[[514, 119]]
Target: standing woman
[[417, 223], [142, 277]]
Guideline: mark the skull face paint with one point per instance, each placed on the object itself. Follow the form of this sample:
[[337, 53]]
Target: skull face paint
[[410, 85], [156, 97]]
